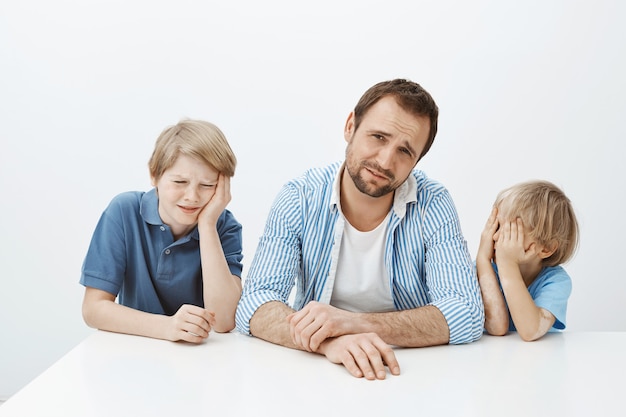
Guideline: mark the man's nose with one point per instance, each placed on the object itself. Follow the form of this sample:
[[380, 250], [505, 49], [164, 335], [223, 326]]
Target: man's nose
[[385, 157]]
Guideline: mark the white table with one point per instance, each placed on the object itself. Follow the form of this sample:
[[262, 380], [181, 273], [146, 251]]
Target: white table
[[109, 374]]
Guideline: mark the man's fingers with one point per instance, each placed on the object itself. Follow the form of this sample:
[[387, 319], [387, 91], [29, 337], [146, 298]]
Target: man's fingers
[[302, 327], [389, 359], [350, 364], [370, 364], [372, 359]]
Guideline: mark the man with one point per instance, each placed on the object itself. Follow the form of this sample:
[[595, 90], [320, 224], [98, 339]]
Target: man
[[375, 246]]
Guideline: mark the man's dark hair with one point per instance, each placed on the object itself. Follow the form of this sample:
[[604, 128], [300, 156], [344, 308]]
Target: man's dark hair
[[409, 95]]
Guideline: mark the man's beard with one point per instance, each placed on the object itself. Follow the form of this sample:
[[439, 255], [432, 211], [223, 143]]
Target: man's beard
[[365, 187]]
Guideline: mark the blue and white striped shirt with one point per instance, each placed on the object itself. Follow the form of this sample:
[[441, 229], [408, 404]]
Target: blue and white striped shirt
[[426, 255]]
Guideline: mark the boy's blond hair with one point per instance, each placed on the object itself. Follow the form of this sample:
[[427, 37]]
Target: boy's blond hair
[[547, 214], [194, 138]]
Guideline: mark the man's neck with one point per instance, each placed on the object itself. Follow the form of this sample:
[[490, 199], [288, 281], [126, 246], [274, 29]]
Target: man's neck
[[362, 211]]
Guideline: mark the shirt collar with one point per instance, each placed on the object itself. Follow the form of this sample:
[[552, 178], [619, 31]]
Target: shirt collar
[[149, 210], [406, 193]]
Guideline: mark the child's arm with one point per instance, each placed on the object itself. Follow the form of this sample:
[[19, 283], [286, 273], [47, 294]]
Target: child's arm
[[221, 289], [496, 314], [190, 323], [531, 322]]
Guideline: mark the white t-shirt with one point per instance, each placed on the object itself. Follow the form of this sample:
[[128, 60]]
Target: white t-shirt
[[362, 282]]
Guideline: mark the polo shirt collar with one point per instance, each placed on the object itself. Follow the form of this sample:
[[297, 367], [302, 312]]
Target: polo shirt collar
[[406, 193], [149, 210]]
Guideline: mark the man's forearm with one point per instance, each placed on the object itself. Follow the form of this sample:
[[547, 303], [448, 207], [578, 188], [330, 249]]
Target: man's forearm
[[418, 327], [269, 323]]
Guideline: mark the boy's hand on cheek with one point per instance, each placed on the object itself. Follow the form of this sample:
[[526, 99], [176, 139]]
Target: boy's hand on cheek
[[218, 202]]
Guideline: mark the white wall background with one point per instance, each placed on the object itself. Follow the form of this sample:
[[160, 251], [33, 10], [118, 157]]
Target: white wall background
[[531, 89]]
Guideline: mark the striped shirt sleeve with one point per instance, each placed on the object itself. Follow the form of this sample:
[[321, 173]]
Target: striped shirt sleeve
[[276, 261], [450, 273]]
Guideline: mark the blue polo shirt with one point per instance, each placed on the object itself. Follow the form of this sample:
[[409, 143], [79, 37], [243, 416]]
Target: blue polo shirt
[[133, 255]]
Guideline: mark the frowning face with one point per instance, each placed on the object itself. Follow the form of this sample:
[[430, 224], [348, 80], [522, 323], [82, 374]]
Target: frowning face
[[184, 189], [385, 148]]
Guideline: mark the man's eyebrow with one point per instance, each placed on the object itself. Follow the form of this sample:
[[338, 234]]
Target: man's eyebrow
[[405, 143], [379, 132]]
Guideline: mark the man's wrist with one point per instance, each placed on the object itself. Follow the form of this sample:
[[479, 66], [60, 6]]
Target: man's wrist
[[321, 349]]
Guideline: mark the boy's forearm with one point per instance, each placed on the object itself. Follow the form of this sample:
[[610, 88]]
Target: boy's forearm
[[496, 314], [113, 317], [221, 289], [531, 322]]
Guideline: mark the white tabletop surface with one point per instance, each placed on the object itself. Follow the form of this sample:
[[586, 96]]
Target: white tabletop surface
[[567, 374]]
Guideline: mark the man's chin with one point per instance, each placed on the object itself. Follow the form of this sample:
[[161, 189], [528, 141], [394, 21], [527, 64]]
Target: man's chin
[[376, 192]]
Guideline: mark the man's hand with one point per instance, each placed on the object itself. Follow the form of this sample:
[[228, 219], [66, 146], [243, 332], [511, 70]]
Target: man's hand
[[317, 322], [191, 324], [363, 355]]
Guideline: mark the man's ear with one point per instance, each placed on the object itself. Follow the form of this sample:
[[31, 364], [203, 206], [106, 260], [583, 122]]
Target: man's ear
[[348, 130]]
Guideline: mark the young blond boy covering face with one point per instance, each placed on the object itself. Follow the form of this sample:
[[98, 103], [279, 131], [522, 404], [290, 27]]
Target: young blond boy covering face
[[532, 229]]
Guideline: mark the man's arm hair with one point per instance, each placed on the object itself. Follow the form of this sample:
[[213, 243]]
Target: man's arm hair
[[269, 322], [417, 327]]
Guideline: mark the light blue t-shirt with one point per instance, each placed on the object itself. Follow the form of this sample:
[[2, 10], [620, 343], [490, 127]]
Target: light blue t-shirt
[[550, 290], [133, 255]]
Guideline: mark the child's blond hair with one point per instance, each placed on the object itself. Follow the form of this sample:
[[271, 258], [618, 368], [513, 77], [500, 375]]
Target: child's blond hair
[[195, 138], [547, 214]]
